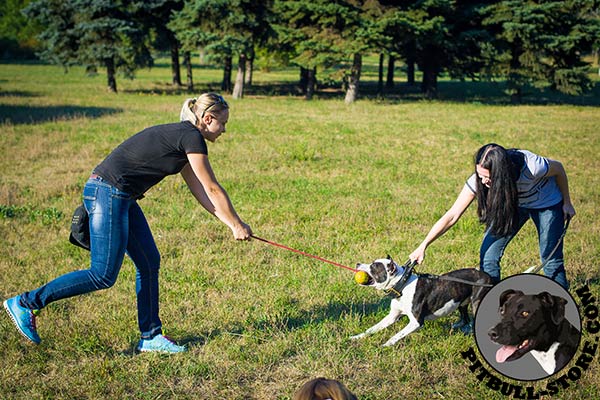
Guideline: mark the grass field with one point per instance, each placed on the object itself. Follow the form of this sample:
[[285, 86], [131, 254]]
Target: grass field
[[348, 183]]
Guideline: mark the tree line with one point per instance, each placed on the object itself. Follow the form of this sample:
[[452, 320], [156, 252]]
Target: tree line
[[536, 43]]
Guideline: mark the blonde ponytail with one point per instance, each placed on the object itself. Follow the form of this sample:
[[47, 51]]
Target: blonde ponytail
[[187, 113]]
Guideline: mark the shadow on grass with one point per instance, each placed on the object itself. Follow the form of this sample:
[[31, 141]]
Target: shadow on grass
[[491, 93], [260, 89], [18, 115], [18, 93], [315, 316]]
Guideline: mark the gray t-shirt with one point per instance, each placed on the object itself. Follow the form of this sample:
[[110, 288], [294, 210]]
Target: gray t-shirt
[[536, 190]]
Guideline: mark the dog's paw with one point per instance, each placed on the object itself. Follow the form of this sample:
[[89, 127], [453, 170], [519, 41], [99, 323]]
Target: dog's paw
[[357, 337], [467, 329], [459, 324], [390, 343]]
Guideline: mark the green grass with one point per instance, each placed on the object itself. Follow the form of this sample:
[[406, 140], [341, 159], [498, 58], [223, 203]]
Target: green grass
[[348, 183]]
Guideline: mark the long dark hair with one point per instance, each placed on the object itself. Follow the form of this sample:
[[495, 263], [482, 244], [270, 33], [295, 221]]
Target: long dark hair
[[498, 205]]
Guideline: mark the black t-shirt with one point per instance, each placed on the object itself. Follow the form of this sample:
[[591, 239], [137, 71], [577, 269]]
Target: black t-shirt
[[144, 159]]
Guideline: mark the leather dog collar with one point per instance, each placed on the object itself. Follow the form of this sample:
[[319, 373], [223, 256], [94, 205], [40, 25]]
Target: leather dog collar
[[396, 290]]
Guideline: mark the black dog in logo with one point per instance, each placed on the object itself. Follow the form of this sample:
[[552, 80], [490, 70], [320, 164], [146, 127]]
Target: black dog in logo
[[536, 324]]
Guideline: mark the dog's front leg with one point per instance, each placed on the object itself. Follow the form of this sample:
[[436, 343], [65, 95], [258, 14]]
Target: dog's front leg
[[388, 320], [412, 326]]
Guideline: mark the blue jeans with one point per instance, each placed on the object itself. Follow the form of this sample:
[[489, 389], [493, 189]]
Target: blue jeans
[[117, 226], [550, 225]]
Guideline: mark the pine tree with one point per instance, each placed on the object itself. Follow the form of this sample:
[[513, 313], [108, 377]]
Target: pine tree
[[154, 16], [541, 43], [324, 34], [92, 33], [224, 28]]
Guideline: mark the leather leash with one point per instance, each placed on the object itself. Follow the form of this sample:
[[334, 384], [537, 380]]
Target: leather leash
[[560, 240], [303, 253]]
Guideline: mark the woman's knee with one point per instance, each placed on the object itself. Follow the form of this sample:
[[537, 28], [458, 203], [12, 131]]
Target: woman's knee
[[103, 280]]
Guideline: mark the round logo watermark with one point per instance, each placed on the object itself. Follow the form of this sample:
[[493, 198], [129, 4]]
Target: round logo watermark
[[528, 327]]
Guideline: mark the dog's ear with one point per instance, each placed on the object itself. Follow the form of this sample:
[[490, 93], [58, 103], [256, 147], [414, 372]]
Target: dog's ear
[[507, 294], [390, 266], [555, 304]]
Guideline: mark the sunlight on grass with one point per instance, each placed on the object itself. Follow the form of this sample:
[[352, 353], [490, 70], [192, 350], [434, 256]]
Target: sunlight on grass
[[347, 183]]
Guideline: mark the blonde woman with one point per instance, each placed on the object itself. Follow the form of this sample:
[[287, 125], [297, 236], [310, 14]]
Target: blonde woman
[[118, 225]]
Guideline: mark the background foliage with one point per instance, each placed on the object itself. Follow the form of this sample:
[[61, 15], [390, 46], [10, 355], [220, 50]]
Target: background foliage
[[537, 43]]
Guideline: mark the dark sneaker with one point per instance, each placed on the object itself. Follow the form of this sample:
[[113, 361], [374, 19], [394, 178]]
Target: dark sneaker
[[23, 318]]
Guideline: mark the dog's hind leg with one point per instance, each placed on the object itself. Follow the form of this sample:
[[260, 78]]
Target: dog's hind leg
[[464, 318], [388, 320], [412, 326]]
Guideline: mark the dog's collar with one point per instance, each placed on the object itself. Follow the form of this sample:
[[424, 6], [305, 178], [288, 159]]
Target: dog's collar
[[396, 290]]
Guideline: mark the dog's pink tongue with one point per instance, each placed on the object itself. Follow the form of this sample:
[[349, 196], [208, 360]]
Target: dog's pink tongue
[[504, 352]]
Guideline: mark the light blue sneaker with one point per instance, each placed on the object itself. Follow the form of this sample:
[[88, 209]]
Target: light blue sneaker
[[159, 344], [23, 318]]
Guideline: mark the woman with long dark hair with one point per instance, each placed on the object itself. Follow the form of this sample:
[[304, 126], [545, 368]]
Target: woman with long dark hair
[[512, 186]]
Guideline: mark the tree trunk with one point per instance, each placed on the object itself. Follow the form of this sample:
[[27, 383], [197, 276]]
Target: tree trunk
[[390, 73], [516, 96], [175, 72], [311, 80], [512, 81], [249, 68], [380, 81], [354, 79], [303, 80], [202, 56], [429, 83], [187, 60], [110, 74], [430, 72], [238, 88], [226, 84], [410, 64], [410, 72]]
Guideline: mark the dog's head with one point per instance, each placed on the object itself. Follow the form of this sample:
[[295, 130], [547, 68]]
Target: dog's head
[[383, 273], [527, 322]]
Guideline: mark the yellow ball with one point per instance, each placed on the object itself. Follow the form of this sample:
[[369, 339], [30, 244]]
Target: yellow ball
[[361, 277]]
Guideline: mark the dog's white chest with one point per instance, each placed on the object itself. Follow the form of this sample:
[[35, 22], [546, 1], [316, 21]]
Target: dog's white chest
[[405, 302], [547, 359]]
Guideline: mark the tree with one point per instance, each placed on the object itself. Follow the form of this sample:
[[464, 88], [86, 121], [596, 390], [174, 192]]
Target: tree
[[324, 34], [154, 16], [248, 23], [92, 33], [437, 35], [224, 28], [363, 34], [541, 43], [17, 32]]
